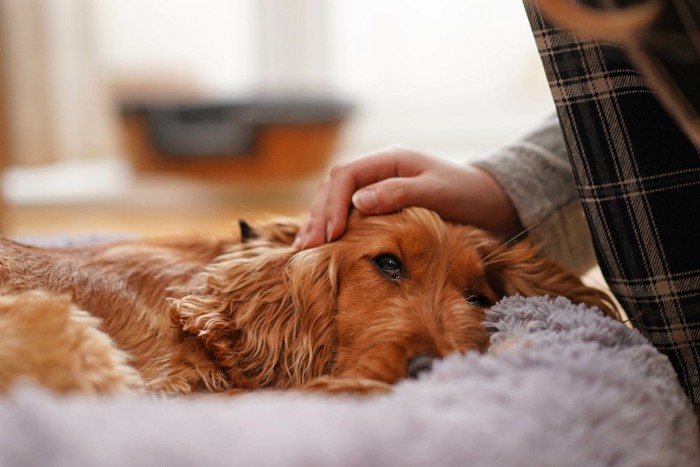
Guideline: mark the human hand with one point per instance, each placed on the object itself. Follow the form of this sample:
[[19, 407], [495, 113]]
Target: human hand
[[397, 177]]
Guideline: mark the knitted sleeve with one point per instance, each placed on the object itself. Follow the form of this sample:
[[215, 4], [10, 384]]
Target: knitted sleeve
[[536, 174]]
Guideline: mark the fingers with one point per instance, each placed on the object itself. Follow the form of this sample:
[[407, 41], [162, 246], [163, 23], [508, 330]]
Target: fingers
[[313, 231], [330, 206], [317, 228]]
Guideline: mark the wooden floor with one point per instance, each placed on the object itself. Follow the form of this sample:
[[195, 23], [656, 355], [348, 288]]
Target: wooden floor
[[155, 208]]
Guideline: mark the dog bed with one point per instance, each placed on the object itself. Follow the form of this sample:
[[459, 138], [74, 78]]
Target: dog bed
[[561, 385]]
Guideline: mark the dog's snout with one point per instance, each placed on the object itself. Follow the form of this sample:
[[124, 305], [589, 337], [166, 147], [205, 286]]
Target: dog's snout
[[419, 363]]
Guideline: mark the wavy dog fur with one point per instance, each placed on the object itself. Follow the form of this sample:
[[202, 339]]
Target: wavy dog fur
[[249, 311]]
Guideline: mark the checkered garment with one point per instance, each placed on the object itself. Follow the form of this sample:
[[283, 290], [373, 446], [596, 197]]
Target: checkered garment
[[638, 178]]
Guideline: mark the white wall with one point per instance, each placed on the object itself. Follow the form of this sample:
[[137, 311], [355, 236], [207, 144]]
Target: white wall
[[448, 76], [212, 39], [444, 75]]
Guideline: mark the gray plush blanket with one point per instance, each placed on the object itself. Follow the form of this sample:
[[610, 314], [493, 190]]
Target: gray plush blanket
[[561, 386]]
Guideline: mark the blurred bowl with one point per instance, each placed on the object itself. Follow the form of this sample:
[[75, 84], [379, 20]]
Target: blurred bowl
[[252, 140]]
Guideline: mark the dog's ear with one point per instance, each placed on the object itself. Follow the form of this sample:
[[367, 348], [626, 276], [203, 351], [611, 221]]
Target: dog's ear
[[280, 230], [247, 232], [264, 313], [517, 269]]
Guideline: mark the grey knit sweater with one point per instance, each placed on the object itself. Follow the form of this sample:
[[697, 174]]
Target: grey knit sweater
[[536, 174]]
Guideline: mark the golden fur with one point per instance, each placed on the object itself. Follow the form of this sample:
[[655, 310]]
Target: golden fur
[[48, 339], [232, 314]]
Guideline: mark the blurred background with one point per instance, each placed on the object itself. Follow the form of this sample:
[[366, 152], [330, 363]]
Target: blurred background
[[163, 116]]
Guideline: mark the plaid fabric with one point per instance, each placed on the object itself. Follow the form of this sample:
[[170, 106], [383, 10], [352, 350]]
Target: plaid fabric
[[638, 178]]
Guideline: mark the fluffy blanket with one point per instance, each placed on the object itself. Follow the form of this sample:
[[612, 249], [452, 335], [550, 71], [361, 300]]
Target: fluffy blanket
[[562, 385]]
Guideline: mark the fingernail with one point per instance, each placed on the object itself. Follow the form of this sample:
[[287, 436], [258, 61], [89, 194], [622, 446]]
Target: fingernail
[[300, 241], [364, 200], [329, 231]]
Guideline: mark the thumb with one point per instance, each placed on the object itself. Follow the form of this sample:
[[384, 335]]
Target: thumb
[[388, 196], [365, 200]]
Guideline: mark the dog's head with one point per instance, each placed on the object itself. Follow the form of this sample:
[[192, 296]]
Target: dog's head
[[394, 293]]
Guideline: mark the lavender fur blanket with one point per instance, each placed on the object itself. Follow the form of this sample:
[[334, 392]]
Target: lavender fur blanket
[[562, 386]]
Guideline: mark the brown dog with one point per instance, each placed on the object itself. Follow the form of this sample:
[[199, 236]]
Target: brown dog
[[196, 314]]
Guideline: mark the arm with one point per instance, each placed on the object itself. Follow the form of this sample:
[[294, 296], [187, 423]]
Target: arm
[[527, 185]]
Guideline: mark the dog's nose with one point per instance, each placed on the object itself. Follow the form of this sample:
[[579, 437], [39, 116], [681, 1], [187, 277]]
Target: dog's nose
[[419, 363]]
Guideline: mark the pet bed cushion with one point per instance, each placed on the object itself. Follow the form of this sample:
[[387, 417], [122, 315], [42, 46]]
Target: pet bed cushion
[[561, 385]]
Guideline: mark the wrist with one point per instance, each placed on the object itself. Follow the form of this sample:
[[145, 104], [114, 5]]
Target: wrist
[[499, 214]]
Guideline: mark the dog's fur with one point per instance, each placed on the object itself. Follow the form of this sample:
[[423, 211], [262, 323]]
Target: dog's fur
[[247, 312]]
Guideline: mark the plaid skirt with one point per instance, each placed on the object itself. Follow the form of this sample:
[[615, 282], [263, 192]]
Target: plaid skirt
[[638, 177]]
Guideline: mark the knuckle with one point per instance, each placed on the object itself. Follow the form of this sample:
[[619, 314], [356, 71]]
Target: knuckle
[[397, 148], [324, 183], [315, 216], [409, 155], [337, 171], [393, 149]]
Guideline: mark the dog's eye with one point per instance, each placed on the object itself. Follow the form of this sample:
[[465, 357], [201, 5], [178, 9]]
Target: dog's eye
[[389, 266], [478, 300]]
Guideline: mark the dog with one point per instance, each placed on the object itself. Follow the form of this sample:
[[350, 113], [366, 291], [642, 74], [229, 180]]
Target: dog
[[194, 314]]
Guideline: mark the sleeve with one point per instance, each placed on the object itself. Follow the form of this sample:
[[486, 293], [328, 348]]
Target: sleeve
[[536, 174]]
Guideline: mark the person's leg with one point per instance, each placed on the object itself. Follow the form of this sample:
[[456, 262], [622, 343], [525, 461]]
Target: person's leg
[[638, 177]]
